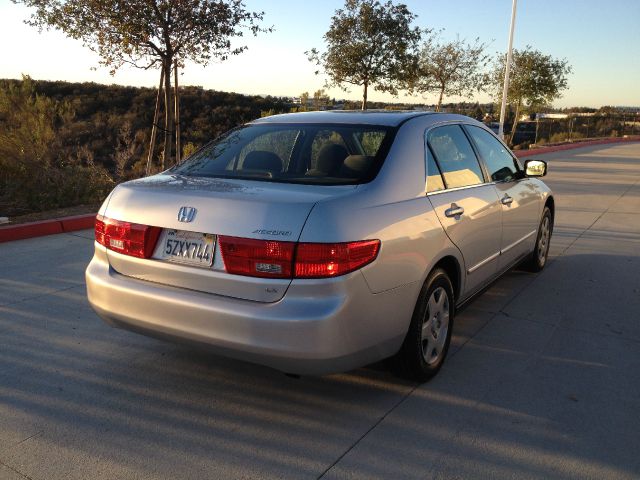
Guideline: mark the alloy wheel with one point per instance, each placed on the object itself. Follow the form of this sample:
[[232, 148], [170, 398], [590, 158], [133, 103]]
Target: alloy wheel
[[435, 326], [543, 243]]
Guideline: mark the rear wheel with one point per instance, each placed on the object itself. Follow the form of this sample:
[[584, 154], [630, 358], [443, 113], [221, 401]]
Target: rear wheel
[[538, 258], [427, 342]]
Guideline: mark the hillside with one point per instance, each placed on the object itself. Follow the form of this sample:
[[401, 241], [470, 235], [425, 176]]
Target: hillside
[[101, 112], [67, 143]]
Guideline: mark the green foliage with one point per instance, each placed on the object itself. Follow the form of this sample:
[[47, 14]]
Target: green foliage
[[320, 100], [279, 142], [565, 136], [127, 148], [66, 143], [304, 102], [322, 139], [151, 33], [39, 169], [369, 44], [450, 68], [371, 141], [188, 149], [145, 32], [604, 122], [535, 79]]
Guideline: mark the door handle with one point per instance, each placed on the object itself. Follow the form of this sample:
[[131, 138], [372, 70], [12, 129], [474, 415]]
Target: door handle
[[454, 211], [507, 200]]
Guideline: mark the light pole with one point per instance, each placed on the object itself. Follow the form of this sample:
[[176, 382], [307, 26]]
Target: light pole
[[507, 68]]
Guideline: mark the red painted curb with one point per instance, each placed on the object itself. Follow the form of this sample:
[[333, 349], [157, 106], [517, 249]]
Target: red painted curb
[[78, 222], [571, 146], [46, 227], [82, 222]]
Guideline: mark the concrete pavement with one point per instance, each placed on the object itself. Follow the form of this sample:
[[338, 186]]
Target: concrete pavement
[[542, 382]]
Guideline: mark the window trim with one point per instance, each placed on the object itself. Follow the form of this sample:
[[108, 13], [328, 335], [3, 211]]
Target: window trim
[[379, 159], [428, 151], [516, 162]]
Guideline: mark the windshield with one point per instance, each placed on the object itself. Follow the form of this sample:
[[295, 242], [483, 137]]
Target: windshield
[[296, 153]]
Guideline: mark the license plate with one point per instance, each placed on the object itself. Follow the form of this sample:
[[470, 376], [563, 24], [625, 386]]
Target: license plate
[[190, 248]]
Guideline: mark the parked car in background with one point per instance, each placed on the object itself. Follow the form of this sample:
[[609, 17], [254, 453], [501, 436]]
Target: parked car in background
[[495, 127], [320, 242], [525, 133]]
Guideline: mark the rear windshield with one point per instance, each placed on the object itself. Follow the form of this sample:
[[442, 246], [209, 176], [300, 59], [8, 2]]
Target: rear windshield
[[320, 154]]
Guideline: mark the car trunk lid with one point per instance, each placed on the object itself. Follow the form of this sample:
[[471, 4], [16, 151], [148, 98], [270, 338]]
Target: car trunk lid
[[228, 207]]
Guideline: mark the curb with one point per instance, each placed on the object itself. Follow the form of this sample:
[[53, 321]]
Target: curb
[[82, 222], [571, 146], [46, 227]]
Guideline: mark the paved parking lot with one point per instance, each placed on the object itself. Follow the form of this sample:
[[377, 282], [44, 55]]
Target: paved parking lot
[[543, 380]]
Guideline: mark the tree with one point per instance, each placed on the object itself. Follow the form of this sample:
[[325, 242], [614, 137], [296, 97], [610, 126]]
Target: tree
[[535, 80], [320, 99], [450, 68], [304, 101], [478, 112], [150, 33], [39, 170], [369, 44], [28, 142], [125, 151]]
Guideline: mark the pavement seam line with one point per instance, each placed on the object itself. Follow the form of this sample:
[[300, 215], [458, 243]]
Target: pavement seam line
[[410, 392], [11, 304], [79, 236], [600, 216], [500, 311], [415, 387], [15, 471], [369, 430], [37, 434], [491, 319], [532, 356], [616, 336], [567, 327]]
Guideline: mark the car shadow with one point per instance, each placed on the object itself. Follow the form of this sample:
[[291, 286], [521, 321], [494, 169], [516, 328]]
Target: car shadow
[[73, 388]]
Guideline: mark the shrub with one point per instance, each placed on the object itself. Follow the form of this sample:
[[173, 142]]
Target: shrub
[[559, 137], [38, 171], [188, 149]]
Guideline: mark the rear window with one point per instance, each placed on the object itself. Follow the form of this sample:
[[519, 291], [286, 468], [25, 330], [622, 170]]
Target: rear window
[[300, 153]]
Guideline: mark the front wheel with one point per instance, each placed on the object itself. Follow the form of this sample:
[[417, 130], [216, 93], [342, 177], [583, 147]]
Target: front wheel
[[427, 342], [538, 258]]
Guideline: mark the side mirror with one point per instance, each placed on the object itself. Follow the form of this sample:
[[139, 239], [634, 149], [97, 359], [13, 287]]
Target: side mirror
[[535, 168]]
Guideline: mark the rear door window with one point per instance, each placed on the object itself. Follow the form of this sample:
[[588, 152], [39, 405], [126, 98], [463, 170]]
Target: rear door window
[[501, 165], [434, 178], [455, 157]]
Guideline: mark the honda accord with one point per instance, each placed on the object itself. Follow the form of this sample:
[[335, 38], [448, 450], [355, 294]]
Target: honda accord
[[319, 242]]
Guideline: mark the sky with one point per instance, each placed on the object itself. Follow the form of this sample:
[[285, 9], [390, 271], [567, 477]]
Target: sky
[[600, 39]]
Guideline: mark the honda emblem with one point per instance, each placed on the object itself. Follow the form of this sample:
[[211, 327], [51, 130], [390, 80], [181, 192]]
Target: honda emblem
[[186, 214]]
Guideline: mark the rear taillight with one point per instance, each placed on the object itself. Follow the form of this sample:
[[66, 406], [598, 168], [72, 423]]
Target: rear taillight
[[318, 260], [126, 238], [256, 258], [273, 259], [247, 256]]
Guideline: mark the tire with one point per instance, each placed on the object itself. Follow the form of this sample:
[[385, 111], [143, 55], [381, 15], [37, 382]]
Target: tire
[[427, 341], [538, 258]]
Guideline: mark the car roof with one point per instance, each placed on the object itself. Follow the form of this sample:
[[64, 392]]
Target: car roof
[[390, 118]]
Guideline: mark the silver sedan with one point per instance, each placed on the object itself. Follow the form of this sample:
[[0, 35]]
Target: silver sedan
[[320, 242]]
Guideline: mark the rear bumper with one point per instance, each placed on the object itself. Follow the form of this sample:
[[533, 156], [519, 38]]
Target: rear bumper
[[319, 327]]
